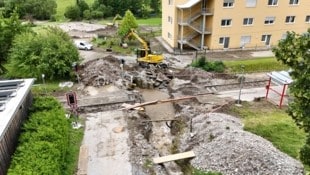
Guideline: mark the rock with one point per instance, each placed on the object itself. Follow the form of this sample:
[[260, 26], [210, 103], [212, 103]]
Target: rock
[[118, 129], [221, 144]]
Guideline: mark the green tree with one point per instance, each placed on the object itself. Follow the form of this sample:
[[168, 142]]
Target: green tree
[[128, 22], [9, 27], [73, 12], [83, 6], [38, 9], [294, 51], [50, 52], [155, 5]]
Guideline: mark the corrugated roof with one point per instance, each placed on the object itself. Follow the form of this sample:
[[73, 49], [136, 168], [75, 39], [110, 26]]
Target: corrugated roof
[[280, 78], [12, 95], [189, 4]]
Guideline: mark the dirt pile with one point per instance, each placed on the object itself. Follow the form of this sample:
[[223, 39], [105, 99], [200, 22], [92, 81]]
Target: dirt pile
[[100, 72], [221, 144], [108, 70]]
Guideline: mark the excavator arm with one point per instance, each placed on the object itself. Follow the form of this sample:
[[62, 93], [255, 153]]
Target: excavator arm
[[134, 34], [144, 55]]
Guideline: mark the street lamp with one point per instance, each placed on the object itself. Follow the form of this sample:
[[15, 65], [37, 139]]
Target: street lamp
[[43, 76], [241, 79]]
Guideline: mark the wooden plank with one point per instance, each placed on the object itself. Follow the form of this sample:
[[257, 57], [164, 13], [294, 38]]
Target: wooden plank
[[83, 160], [173, 157], [158, 120]]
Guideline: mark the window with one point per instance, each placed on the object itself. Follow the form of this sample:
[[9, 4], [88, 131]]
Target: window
[[170, 2], [266, 38], [272, 2], [250, 3], [169, 35], [290, 19], [308, 19], [226, 22], [247, 21], [294, 2], [244, 40], [170, 19], [228, 3], [221, 40], [269, 20], [284, 36]]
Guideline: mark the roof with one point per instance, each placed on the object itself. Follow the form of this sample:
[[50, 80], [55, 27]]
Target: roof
[[280, 78], [12, 95], [189, 4]]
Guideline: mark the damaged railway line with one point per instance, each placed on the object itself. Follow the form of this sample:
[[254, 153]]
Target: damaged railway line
[[134, 115]]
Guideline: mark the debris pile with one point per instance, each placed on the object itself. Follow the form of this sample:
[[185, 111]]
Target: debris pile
[[100, 72], [222, 145], [108, 70]]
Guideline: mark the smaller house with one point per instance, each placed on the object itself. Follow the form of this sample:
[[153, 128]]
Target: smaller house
[[15, 100]]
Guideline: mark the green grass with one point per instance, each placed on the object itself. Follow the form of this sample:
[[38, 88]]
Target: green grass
[[255, 65], [150, 21], [273, 124], [72, 157], [49, 88]]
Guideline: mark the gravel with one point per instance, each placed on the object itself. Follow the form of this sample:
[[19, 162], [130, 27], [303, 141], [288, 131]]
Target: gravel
[[221, 145]]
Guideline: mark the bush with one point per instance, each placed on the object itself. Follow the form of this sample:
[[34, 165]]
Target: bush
[[305, 152], [73, 12], [87, 14], [97, 14], [50, 52], [216, 66], [44, 140]]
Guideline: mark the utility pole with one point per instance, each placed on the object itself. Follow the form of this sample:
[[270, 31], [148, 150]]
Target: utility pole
[[241, 78]]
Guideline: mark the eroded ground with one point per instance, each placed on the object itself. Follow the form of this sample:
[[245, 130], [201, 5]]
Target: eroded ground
[[124, 142]]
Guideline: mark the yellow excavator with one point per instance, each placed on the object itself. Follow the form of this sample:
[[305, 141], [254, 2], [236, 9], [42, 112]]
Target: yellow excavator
[[116, 17], [144, 55]]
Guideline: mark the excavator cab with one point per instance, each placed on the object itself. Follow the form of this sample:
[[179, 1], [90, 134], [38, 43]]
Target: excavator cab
[[144, 54]]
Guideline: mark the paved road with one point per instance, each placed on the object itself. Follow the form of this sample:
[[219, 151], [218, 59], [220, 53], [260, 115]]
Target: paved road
[[251, 94]]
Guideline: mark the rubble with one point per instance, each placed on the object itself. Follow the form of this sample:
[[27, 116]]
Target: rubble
[[107, 70], [222, 145]]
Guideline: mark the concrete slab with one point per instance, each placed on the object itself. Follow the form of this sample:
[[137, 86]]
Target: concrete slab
[[108, 151]]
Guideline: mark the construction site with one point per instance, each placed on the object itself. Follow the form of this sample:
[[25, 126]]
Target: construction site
[[164, 120]]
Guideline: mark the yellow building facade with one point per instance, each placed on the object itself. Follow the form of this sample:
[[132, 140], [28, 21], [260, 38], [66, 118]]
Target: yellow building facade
[[231, 24]]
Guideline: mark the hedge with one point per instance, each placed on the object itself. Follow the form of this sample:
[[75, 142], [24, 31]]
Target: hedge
[[44, 140]]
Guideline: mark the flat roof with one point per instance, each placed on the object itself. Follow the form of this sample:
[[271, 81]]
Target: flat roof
[[280, 78], [188, 4], [12, 95]]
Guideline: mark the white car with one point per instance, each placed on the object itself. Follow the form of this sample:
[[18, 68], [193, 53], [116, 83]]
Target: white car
[[83, 45]]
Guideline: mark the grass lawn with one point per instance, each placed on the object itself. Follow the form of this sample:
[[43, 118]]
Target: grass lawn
[[150, 21], [255, 65], [272, 123]]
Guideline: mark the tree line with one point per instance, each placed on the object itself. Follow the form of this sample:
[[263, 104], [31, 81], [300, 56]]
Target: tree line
[[46, 9]]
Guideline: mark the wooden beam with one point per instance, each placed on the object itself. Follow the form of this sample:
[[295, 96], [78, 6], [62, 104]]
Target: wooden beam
[[158, 120], [158, 102], [83, 160], [173, 157]]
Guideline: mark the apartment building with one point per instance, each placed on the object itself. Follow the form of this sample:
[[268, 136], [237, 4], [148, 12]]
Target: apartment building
[[231, 24]]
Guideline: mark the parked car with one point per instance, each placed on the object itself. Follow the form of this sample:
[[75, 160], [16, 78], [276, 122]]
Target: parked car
[[83, 45]]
